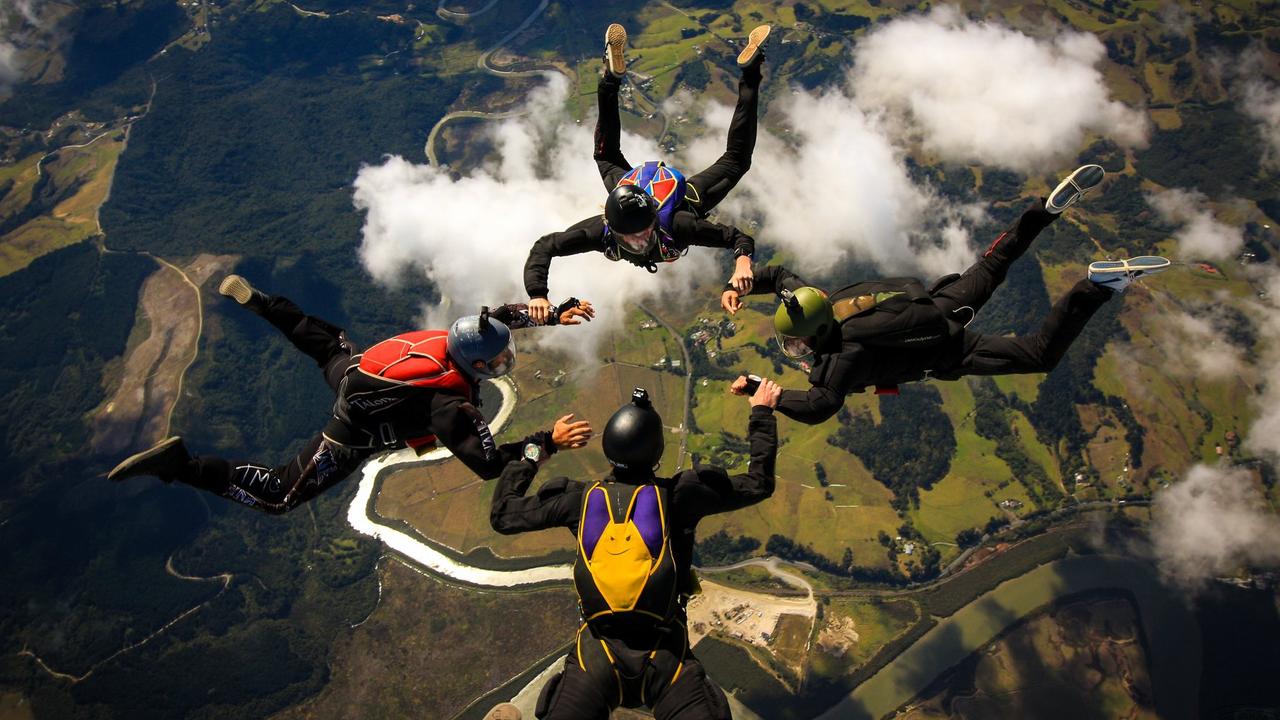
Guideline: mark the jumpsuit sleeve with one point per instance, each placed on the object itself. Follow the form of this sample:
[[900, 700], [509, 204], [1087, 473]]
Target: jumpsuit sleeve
[[709, 490], [832, 378], [516, 315], [555, 504], [689, 229], [769, 279], [459, 426], [583, 237]]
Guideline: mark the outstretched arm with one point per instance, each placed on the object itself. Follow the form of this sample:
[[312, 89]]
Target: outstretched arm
[[690, 229], [709, 490], [518, 316], [556, 504], [768, 279], [459, 426], [583, 237], [833, 377]]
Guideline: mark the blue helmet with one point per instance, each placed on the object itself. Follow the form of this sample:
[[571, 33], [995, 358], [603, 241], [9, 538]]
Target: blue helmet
[[481, 346]]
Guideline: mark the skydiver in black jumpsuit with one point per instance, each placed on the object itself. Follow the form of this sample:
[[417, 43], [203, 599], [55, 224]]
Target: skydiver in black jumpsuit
[[372, 414]]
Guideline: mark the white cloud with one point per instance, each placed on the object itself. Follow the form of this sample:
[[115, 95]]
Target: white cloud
[[1264, 435], [1212, 523], [1261, 101], [1206, 352], [981, 92], [1201, 236], [839, 187]]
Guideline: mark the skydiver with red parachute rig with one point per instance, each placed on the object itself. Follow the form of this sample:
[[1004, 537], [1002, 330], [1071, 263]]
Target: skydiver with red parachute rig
[[418, 389]]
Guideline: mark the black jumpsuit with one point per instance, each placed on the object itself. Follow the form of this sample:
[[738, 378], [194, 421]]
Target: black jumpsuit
[[703, 191], [588, 693], [332, 455], [841, 367]]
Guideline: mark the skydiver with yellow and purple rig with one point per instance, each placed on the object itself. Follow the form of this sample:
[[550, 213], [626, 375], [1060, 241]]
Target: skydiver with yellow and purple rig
[[653, 215], [634, 534]]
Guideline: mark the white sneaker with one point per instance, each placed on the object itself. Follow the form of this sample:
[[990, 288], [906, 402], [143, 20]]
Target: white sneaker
[[1079, 182], [615, 42], [1116, 275]]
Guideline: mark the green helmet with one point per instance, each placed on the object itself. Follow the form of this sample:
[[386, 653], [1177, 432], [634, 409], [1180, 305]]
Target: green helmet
[[803, 318]]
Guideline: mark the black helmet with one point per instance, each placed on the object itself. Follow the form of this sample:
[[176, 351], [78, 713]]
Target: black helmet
[[630, 209], [633, 438], [481, 346]]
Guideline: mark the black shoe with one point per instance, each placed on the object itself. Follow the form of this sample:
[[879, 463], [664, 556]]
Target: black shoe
[[239, 289], [167, 460]]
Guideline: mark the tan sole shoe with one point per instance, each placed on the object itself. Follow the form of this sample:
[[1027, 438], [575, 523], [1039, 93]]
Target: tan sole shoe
[[754, 41], [505, 711], [236, 288], [615, 42]]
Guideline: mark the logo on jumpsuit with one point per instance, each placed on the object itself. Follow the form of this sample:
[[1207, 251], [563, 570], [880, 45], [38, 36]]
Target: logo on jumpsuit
[[325, 464]]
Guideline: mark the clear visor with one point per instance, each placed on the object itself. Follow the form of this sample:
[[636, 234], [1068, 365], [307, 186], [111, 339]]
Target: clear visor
[[794, 346], [505, 362], [637, 243]]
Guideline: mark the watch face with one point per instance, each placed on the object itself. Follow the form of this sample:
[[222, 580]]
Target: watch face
[[533, 452]]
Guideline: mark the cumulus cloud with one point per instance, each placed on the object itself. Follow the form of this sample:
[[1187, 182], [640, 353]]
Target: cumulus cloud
[[1202, 347], [1260, 100], [839, 187], [1212, 523], [1264, 436], [20, 25], [1201, 235], [981, 92]]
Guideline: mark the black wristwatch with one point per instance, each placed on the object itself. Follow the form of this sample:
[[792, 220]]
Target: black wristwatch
[[534, 453]]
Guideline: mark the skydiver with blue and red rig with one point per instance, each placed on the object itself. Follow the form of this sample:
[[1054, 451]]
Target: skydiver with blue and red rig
[[653, 214], [419, 389]]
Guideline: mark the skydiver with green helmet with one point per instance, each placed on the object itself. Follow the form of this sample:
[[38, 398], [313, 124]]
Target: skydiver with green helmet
[[634, 534], [652, 215], [880, 333]]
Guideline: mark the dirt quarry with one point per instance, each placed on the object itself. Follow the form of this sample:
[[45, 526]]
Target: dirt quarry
[[136, 414]]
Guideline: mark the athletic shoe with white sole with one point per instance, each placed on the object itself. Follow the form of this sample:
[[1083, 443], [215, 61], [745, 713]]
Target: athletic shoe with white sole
[[1069, 191], [239, 289], [1116, 275], [753, 54], [505, 711], [167, 460], [615, 42]]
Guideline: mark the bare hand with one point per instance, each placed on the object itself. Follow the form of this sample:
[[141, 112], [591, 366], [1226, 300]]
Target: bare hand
[[731, 301], [742, 278], [569, 435], [539, 310], [583, 310], [767, 394], [739, 386]]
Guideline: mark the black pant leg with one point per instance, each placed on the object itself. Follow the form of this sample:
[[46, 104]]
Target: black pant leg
[[318, 466], [974, 288], [1041, 351], [319, 339], [711, 186], [577, 696], [692, 696], [608, 152]]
